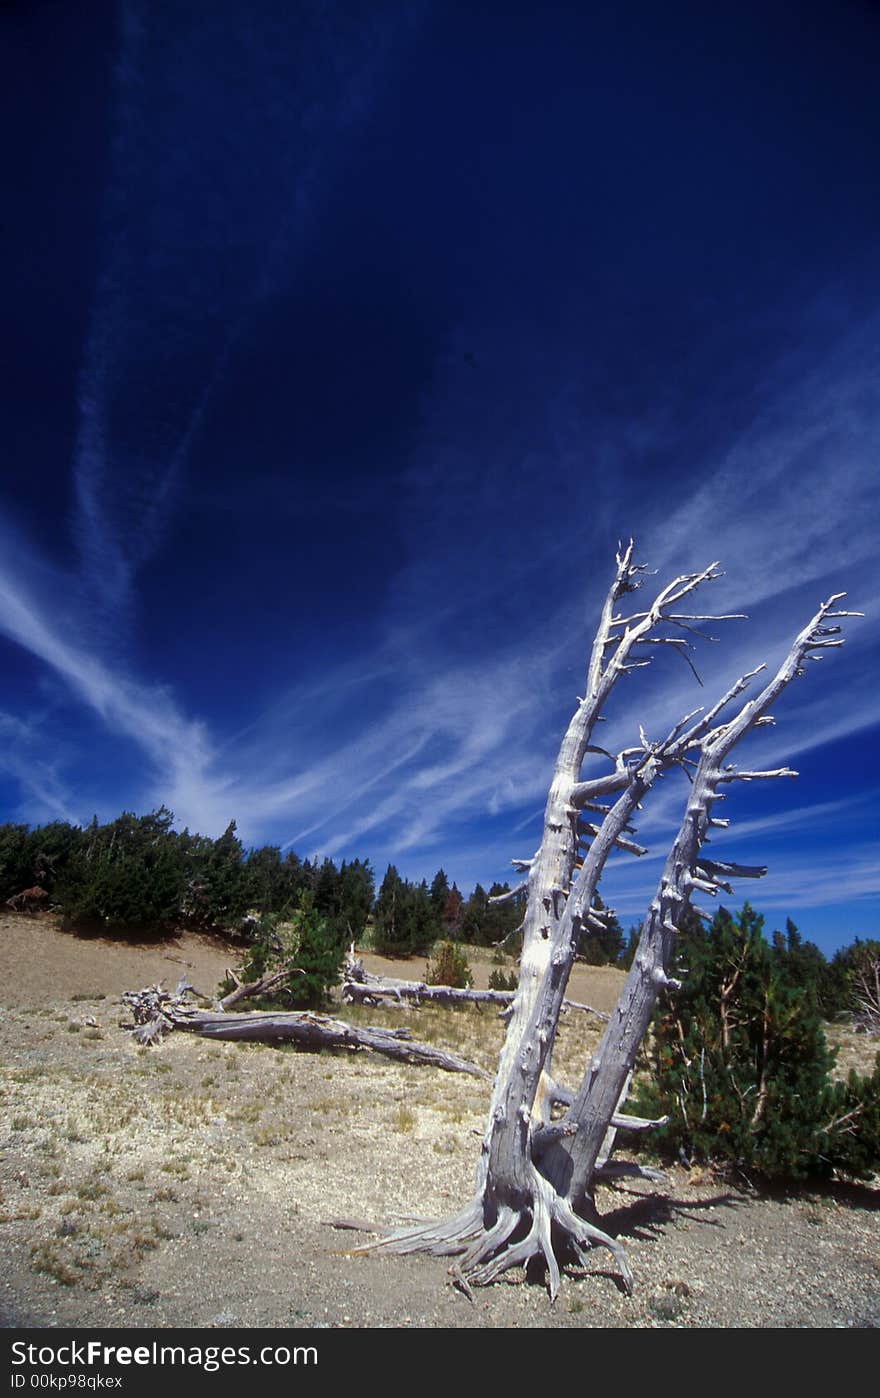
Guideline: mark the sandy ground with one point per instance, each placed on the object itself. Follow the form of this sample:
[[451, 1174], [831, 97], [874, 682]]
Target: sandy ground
[[192, 1184]]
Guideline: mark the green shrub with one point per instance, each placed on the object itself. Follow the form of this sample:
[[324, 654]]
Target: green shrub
[[306, 946], [127, 875], [741, 1067], [499, 980], [449, 967]]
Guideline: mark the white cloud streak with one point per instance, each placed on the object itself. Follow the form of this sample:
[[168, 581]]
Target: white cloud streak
[[166, 318]]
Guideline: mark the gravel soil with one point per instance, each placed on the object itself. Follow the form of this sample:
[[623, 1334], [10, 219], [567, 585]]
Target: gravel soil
[[193, 1184]]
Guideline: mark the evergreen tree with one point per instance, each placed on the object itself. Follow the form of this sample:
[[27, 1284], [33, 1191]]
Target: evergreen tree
[[452, 914], [328, 892], [473, 917], [355, 898], [603, 947], [741, 1066], [305, 946], [316, 954], [802, 962], [294, 880], [449, 967], [390, 915], [486, 924], [16, 861], [439, 892], [423, 918], [217, 886], [263, 879], [129, 875]]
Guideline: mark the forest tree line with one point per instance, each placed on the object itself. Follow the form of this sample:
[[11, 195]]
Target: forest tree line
[[137, 873]]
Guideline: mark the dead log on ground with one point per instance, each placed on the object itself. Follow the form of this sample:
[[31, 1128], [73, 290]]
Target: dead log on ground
[[156, 1012], [363, 987]]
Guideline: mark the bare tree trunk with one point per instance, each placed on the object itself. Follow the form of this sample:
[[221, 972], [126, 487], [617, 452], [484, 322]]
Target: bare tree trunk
[[536, 1177]]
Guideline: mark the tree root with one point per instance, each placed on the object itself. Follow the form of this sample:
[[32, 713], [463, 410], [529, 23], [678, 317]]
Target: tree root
[[516, 1236]]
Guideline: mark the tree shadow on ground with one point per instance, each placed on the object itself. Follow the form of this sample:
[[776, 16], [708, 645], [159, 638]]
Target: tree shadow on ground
[[851, 1193], [647, 1214], [646, 1217], [643, 1219]]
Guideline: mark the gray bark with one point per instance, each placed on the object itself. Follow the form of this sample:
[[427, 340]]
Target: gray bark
[[247, 990]]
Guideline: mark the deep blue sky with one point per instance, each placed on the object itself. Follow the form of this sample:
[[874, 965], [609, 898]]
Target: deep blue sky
[[345, 343]]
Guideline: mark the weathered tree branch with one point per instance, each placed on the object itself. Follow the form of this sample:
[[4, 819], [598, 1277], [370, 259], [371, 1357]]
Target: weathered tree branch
[[250, 989]]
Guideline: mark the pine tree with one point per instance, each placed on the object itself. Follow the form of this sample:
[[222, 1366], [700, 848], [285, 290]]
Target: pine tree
[[129, 875], [473, 917], [388, 913], [439, 892], [263, 879], [603, 946], [742, 1068], [305, 947], [218, 879], [328, 892], [452, 914], [16, 861], [423, 918], [486, 923], [316, 955], [355, 898]]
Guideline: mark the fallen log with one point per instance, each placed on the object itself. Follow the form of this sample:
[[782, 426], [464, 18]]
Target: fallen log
[[361, 993], [320, 1031], [156, 1012], [362, 987]]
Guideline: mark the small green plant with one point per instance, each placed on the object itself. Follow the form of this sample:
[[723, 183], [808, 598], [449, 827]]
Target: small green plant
[[304, 950], [500, 980], [449, 967], [46, 1257], [92, 1188]]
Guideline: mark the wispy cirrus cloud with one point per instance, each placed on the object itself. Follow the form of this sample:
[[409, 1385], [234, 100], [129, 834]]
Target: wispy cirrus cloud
[[22, 756], [170, 311], [36, 614]]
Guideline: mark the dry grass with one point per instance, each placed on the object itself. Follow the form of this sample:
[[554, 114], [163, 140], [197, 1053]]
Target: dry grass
[[855, 1050]]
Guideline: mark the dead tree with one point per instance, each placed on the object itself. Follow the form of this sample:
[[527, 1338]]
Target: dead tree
[[536, 1176], [866, 989], [30, 900]]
